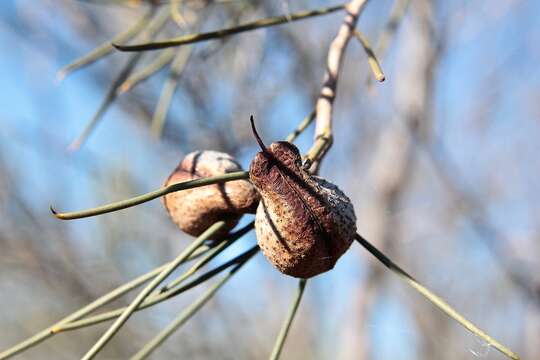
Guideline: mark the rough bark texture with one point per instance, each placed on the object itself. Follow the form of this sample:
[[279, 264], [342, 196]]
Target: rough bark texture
[[194, 210], [303, 222]]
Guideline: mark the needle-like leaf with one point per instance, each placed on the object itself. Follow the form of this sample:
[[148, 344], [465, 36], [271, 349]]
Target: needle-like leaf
[[147, 71], [159, 297], [209, 256], [434, 299], [107, 47], [153, 28], [301, 127], [280, 341], [107, 336], [187, 314], [372, 59], [193, 38], [96, 304], [165, 98], [396, 16], [150, 196]]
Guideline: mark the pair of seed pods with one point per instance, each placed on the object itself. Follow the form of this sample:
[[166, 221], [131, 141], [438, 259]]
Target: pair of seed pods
[[303, 223]]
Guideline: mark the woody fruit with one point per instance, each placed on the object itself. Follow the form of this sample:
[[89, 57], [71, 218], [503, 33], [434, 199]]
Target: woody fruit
[[194, 210], [303, 222]]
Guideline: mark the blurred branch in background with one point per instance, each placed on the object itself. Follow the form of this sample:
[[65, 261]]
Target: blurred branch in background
[[392, 166], [154, 26], [399, 9], [517, 270], [218, 34], [107, 47]]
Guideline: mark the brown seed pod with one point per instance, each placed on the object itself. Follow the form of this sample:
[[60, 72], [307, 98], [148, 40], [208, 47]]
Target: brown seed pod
[[194, 210], [303, 223]]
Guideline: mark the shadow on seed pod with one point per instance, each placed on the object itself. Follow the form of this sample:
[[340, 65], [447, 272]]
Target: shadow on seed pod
[[194, 210], [303, 223]]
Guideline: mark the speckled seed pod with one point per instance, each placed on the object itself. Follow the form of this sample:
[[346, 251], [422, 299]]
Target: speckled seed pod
[[194, 210], [303, 222]]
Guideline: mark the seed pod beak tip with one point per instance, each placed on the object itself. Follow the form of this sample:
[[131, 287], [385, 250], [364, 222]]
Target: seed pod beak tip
[[256, 134], [54, 212]]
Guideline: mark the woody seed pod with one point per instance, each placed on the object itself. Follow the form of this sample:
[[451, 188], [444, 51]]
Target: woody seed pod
[[194, 210], [303, 223]]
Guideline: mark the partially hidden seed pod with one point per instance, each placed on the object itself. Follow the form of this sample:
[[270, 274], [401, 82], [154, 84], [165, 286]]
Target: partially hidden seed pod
[[303, 223], [194, 210]]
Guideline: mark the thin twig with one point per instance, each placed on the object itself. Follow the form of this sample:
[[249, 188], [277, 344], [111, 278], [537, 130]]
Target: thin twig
[[323, 126], [189, 312], [151, 195], [280, 341], [434, 299], [107, 336], [262, 23], [138, 77]]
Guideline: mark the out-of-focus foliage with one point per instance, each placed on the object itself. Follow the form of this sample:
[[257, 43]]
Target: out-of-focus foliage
[[440, 161]]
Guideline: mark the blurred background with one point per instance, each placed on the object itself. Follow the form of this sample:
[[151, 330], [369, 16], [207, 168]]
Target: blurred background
[[441, 162]]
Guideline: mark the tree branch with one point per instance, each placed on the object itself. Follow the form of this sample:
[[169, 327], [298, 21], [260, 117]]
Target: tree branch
[[325, 102]]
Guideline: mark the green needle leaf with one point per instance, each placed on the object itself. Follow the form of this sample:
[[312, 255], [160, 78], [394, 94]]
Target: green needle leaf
[[96, 304], [301, 127], [153, 28], [280, 341], [434, 299], [186, 315], [150, 196], [106, 48], [193, 38], [209, 256], [165, 98], [372, 59], [153, 67], [159, 297], [107, 336]]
